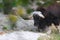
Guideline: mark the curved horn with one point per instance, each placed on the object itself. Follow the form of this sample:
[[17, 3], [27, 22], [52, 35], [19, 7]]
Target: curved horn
[[39, 13]]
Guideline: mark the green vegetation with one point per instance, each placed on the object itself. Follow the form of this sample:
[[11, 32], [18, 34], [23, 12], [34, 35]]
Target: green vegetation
[[8, 4], [4, 28], [53, 36], [13, 20]]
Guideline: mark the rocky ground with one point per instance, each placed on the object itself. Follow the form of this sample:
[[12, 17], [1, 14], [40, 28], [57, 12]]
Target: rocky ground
[[25, 30], [21, 35]]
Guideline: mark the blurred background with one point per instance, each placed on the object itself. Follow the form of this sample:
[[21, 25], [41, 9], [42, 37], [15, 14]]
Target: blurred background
[[17, 9], [15, 16], [23, 8]]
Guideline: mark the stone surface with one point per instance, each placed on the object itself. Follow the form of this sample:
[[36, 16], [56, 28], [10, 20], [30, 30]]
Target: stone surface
[[21, 35], [4, 22], [25, 25], [21, 24]]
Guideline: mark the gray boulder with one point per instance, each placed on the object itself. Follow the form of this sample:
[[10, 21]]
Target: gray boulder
[[25, 25], [4, 22]]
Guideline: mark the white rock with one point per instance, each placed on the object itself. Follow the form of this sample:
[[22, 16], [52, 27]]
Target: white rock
[[4, 22], [25, 25], [21, 35]]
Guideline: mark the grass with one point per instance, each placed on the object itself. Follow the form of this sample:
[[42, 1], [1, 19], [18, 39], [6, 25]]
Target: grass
[[53, 36]]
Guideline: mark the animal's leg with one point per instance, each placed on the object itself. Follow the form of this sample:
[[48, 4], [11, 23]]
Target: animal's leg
[[56, 23], [49, 30], [54, 28], [38, 29], [58, 28]]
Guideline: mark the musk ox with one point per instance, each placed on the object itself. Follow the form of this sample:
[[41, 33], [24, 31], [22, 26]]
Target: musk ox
[[44, 17]]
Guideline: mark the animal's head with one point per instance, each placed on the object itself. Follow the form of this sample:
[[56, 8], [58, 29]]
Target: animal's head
[[39, 18], [40, 13]]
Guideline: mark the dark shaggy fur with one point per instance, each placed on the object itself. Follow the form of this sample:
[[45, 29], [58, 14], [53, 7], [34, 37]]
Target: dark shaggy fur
[[52, 15]]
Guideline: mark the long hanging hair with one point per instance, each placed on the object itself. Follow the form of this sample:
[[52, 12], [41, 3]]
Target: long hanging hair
[[40, 8]]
